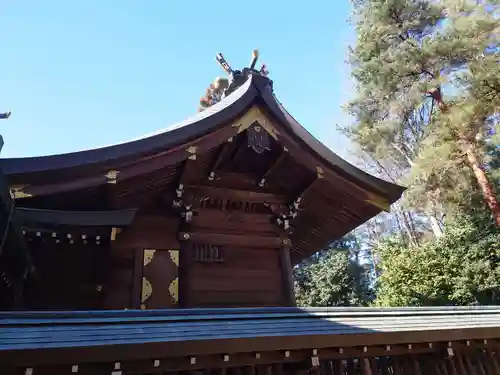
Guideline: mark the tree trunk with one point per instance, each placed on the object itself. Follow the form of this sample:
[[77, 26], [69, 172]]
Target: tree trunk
[[412, 236], [436, 227], [402, 232], [483, 182]]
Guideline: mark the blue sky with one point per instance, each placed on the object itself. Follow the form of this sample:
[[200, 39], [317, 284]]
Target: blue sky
[[87, 73]]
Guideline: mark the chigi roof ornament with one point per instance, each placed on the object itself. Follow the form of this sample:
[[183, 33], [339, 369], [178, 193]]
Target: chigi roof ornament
[[223, 86], [3, 116], [238, 77]]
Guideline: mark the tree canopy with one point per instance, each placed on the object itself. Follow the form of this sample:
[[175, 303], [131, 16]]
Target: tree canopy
[[333, 277], [426, 114]]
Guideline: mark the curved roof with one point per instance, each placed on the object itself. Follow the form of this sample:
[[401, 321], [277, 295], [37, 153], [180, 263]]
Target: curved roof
[[256, 89], [192, 127]]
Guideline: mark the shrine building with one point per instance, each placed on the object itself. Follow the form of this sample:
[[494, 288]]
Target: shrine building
[[211, 212]]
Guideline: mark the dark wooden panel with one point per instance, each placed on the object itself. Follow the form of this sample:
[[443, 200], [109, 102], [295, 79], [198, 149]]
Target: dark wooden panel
[[70, 276], [252, 196], [111, 218], [234, 180], [119, 286], [224, 239], [150, 232], [233, 221]]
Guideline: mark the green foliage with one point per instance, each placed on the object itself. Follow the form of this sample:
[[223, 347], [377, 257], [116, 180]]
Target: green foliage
[[461, 268], [410, 54], [427, 112], [332, 277]]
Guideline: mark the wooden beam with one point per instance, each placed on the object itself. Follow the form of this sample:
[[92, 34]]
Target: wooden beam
[[307, 189], [272, 167], [234, 194], [183, 203], [233, 240], [233, 221], [203, 144], [240, 146], [110, 218], [224, 151], [287, 275]]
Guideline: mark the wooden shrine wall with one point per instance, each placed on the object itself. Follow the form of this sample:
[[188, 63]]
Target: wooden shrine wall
[[125, 282], [210, 273], [243, 277], [69, 276], [231, 261]]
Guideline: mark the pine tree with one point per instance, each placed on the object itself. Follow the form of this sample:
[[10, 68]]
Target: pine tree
[[437, 62]]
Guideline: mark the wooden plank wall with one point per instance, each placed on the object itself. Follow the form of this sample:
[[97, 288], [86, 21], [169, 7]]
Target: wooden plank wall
[[246, 276]]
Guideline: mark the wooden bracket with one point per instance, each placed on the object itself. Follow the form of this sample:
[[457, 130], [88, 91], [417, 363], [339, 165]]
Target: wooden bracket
[[111, 176], [272, 167], [284, 219], [115, 232], [17, 192]]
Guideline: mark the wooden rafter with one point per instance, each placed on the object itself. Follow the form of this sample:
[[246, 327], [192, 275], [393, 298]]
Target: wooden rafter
[[239, 147], [224, 151], [272, 167], [354, 190], [134, 169]]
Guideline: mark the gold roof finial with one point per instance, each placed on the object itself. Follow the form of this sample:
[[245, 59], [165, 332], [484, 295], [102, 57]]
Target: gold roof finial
[[255, 57]]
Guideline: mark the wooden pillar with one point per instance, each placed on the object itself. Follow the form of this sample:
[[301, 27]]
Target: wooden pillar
[[136, 287], [287, 274], [185, 257]]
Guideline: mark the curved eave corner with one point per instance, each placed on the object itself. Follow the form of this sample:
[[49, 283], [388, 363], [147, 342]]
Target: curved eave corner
[[389, 191], [185, 131]]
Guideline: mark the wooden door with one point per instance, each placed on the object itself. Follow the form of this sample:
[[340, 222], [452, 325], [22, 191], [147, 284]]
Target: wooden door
[[160, 279]]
